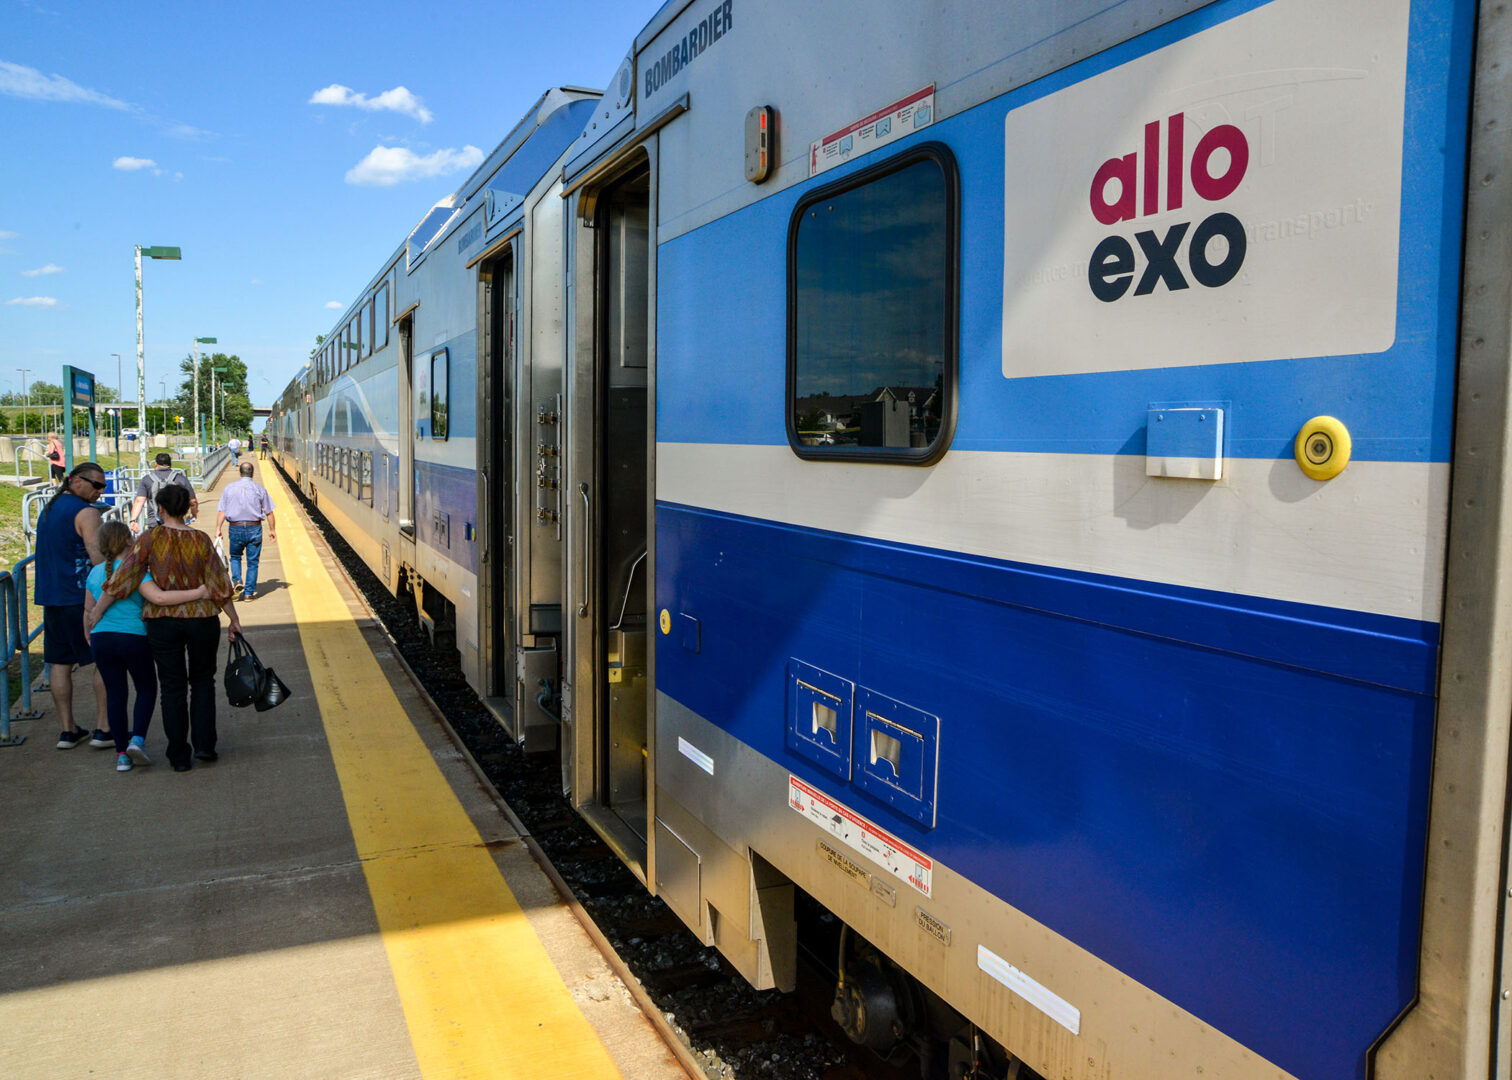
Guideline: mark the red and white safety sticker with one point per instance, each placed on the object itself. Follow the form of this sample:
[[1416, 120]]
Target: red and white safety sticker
[[887, 124], [854, 831]]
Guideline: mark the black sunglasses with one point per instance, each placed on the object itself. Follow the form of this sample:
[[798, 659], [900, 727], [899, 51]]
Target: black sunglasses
[[98, 485]]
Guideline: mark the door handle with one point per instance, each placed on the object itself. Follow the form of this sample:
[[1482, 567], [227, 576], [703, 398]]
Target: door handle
[[584, 573]]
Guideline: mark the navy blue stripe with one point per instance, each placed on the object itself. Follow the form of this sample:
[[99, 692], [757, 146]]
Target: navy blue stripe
[[1392, 652], [1223, 797]]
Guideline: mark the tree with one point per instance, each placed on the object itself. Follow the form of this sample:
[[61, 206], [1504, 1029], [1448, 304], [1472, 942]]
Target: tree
[[234, 379]]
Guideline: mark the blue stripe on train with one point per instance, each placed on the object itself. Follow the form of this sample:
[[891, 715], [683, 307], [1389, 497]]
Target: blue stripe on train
[[1223, 797], [722, 379], [453, 491]]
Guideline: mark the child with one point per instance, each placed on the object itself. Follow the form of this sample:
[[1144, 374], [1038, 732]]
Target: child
[[119, 643]]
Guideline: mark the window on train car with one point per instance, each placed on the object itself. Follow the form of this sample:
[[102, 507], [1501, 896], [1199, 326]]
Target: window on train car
[[367, 477], [440, 393], [872, 313], [381, 318], [357, 334], [365, 330]]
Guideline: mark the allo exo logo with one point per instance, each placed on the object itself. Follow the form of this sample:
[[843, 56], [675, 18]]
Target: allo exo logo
[[1138, 181]]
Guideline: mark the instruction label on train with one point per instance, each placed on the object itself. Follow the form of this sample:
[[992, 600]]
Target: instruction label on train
[[858, 834], [886, 125]]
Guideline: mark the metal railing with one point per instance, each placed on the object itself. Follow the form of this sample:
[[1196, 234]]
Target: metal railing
[[16, 635]]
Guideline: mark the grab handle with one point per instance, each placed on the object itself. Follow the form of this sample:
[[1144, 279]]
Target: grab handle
[[583, 561]]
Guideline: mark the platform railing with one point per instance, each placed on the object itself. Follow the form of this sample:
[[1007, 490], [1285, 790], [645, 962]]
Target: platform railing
[[12, 620], [18, 638]]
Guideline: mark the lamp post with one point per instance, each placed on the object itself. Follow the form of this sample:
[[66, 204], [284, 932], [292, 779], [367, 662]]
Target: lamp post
[[171, 253], [25, 399], [163, 398], [213, 373], [199, 435], [120, 400]]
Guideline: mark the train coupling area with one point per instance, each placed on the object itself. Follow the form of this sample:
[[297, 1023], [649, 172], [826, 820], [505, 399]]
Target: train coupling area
[[337, 895]]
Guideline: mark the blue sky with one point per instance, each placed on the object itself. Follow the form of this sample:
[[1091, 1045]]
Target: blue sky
[[193, 125]]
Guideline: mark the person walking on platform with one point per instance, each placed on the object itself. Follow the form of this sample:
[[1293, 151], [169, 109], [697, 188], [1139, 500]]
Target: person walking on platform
[[67, 546], [180, 557], [235, 445], [262, 447], [55, 456], [119, 643], [152, 483], [245, 503]]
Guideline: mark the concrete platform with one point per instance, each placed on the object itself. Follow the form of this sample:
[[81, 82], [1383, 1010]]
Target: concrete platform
[[338, 896]]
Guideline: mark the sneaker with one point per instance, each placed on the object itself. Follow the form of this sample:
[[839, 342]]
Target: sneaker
[[206, 755], [123, 763], [70, 739], [101, 740], [247, 598], [137, 751]]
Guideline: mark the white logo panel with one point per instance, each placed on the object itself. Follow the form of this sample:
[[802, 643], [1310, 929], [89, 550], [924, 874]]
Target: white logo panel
[[1235, 196]]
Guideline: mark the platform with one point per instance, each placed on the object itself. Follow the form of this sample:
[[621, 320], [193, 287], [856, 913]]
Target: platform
[[337, 896]]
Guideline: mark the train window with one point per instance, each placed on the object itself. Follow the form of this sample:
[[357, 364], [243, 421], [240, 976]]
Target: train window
[[365, 330], [366, 493], [380, 318], [357, 333], [440, 393], [872, 268]]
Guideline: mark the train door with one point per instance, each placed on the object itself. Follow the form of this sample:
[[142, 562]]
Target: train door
[[407, 436], [496, 480], [609, 521]]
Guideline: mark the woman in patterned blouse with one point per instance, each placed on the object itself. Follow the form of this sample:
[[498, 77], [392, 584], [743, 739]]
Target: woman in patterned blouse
[[180, 557]]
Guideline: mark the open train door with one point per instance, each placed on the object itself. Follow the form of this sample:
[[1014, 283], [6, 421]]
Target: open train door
[[611, 411]]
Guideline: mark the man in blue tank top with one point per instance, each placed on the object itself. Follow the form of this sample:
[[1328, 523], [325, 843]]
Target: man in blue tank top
[[67, 546]]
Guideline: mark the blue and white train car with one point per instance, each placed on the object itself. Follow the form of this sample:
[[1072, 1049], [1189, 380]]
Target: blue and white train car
[[1010, 458], [404, 418]]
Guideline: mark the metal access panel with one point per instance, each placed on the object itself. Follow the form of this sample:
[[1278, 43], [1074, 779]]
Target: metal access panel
[[535, 728], [679, 876]]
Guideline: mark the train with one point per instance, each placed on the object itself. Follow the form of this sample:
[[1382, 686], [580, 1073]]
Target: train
[[1026, 482]]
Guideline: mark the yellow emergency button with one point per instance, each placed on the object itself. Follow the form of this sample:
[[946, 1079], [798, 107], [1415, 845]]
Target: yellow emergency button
[[665, 621], [1322, 447]]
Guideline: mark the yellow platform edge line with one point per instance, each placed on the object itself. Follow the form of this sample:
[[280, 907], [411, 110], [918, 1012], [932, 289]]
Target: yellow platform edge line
[[480, 995]]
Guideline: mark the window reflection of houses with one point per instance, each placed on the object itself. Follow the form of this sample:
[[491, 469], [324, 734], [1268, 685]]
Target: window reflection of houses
[[888, 416]]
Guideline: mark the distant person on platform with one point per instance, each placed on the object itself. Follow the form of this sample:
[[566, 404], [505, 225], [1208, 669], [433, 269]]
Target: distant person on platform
[[244, 504], [67, 548], [152, 483], [55, 456], [235, 445], [262, 447]]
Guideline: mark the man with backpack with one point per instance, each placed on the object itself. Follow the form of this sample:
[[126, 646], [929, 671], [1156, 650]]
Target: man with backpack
[[152, 483]]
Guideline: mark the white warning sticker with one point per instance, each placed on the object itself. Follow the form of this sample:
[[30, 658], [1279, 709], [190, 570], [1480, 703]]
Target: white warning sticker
[[854, 831], [886, 125]]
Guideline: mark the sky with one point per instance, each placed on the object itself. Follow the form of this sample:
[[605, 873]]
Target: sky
[[286, 148]]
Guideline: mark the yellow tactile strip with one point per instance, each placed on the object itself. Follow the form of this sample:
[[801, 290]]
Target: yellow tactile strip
[[480, 995]]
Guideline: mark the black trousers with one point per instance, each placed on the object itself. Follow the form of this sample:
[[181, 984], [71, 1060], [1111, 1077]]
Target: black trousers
[[188, 696]]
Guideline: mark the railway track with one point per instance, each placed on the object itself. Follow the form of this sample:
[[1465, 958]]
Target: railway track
[[731, 1030]]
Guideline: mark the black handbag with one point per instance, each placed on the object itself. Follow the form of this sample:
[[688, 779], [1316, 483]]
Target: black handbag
[[274, 692], [246, 678]]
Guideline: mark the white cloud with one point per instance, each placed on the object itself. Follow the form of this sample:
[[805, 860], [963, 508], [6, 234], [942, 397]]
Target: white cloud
[[257, 281], [29, 83], [8, 235], [398, 100], [334, 305], [34, 301], [388, 165], [134, 164], [41, 271]]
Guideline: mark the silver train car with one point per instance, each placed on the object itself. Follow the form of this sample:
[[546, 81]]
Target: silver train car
[[1029, 481]]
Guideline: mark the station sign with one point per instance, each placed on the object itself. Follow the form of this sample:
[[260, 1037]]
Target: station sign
[[81, 386]]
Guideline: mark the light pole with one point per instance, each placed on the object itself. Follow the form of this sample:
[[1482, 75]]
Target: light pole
[[171, 253], [213, 372], [163, 398], [199, 435], [119, 402], [25, 399]]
